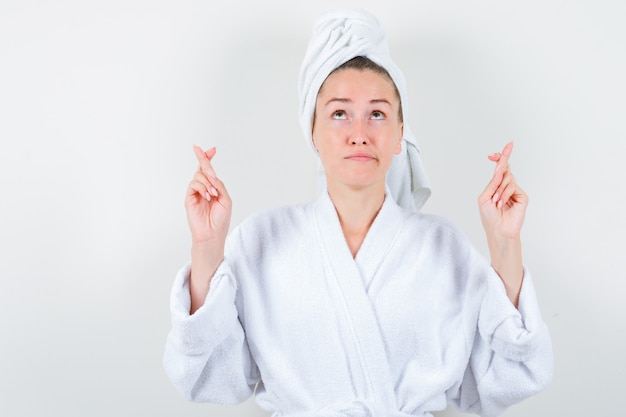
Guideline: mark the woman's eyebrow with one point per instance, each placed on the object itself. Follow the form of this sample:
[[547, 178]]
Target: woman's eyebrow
[[338, 99], [347, 100], [380, 100]]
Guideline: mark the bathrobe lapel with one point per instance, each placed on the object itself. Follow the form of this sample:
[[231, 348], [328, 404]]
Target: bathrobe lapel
[[379, 241], [349, 280]]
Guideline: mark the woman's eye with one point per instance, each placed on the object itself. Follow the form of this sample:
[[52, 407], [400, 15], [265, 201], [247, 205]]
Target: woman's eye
[[339, 115], [378, 115]]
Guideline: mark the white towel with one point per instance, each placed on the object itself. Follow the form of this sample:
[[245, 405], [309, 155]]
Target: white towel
[[339, 36]]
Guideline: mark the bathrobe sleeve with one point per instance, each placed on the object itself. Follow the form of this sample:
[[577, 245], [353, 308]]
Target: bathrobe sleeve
[[206, 354], [511, 356]]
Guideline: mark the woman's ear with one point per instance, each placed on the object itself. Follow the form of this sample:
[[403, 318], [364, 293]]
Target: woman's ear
[[313, 135], [398, 147]]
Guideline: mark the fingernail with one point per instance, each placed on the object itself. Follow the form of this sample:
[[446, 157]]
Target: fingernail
[[214, 191], [499, 205], [207, 196], [495, 198]]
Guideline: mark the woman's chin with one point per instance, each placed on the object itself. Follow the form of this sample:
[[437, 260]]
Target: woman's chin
[[362, 183]]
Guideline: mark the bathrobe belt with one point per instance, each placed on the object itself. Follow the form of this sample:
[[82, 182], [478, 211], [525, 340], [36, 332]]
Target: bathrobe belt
[[354, 409]]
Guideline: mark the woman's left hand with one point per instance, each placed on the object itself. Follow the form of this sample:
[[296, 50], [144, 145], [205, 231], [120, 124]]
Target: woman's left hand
[[503, 203], [502, 209]]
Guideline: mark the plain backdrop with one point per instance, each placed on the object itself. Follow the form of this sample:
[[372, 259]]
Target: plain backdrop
[[101, 101]]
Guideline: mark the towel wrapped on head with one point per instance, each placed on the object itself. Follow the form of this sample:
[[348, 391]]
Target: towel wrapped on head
[[338, 37]]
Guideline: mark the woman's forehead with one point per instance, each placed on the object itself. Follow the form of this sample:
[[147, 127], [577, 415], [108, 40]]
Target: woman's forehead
[[353, 83]]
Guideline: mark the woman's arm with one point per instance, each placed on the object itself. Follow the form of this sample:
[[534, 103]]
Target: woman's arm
[[208, 208], [511, 356], [502, 209], [206, 355]]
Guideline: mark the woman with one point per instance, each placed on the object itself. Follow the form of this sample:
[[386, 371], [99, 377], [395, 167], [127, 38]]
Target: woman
[[353, 305]]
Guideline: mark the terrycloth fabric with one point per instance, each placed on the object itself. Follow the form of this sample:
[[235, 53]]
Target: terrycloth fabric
[[338, 37], [418, 319]]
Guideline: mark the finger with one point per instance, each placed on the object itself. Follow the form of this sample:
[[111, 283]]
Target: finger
[[211, 153], [508, 148], [499, 193], [209, 188], [496, 180], [204, 160], [202, 178], [495, 157], [503, 161], [506, 193], [491, 188], [200, 155], [500, 171], [219, 190], [514, 193], [197, 187]]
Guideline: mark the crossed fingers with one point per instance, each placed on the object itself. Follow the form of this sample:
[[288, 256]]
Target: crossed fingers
[[205, 180], [503, 185]]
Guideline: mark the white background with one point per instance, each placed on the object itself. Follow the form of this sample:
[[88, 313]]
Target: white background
[[100, 103]]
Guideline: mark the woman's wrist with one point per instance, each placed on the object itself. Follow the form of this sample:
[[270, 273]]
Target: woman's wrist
[[506, 260], [205, 259]]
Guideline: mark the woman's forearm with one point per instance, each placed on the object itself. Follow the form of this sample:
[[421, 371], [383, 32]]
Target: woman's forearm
[[205, 259], [506, 259]]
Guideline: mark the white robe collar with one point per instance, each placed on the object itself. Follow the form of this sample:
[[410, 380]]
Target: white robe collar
[[378, 241], [349, 280]]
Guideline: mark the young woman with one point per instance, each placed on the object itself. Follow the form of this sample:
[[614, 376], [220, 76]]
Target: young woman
[[353, 305]]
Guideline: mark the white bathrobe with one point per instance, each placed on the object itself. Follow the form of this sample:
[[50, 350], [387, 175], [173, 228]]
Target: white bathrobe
[[417, 320]]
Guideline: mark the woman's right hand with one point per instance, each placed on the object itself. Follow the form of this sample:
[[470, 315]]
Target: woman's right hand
[[208, 207], [207, 202]]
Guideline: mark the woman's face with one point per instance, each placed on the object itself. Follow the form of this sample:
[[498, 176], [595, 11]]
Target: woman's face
[[357, 128]]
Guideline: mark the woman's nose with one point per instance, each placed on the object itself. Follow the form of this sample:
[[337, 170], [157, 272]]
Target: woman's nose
[[358, 134]]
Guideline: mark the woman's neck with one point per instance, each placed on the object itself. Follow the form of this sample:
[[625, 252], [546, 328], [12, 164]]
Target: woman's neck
[[357, 209]]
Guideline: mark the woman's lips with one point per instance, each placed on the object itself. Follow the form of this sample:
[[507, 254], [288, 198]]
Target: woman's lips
[[360, 157]]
